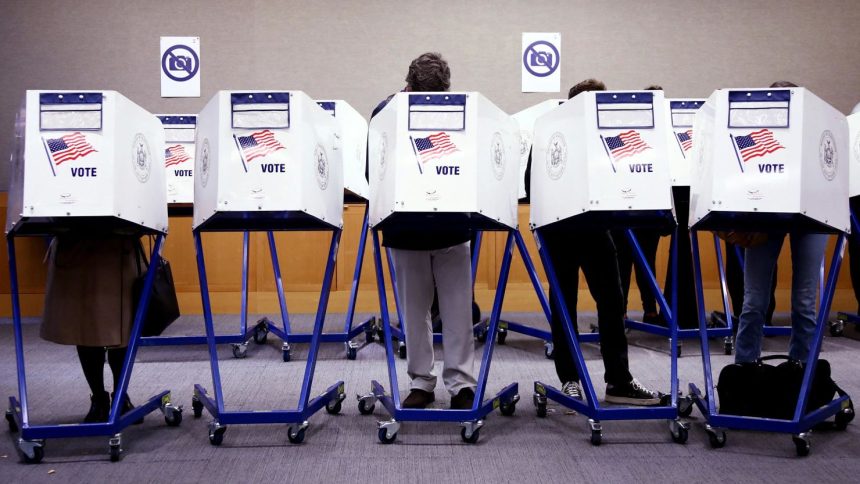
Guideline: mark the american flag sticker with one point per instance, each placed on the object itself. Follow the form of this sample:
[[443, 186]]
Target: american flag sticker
[[756, 144], [432, 147], [257, 145], [67, 148], [685, 138], [623, 145], [175, 155]]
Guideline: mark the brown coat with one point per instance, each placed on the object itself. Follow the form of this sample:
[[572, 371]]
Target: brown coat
[[88, 298]]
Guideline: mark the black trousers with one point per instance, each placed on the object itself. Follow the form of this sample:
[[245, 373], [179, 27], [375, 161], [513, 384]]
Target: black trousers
[[594, 253], [648, 240], [854, 253], [687, 316]]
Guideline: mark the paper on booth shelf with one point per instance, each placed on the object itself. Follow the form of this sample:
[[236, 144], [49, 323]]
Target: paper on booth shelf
[[770, 156], [87, 154]]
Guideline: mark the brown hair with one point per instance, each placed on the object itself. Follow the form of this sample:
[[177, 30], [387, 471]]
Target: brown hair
[[586, 85], [654, 87], [429, 72], [784, 84]]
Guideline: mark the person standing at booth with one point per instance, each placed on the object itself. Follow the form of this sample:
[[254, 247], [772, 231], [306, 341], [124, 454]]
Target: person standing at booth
[[762, 251], [594, 252], [89, 304], [434, 259]]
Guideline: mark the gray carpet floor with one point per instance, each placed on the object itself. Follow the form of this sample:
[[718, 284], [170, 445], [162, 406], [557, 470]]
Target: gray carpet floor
[[344, 448]]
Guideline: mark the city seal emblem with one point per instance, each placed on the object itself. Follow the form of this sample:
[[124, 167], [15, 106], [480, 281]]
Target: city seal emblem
[[203, 158], [827, 155], [497, 156], [556, 156], [321, 167], [141, 158]]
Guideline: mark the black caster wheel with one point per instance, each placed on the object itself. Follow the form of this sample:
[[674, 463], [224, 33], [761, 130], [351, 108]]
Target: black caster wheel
[[685, 407], [680, 349], [472, 439], [481, 334], [38, 455], [173, 418], [402, 351], [717, 438], [508, 409], [384, 438], [680, 437], [115, 453], [502, 336], [13, 426], [240, 351], [261, 335], [369, 336], [216, 437], [844, 417], [197, 407], [548, 350], [299, 436], [541, 410], [286, 355], [596, 437], [801, 445], [729, 347], [333, 407], [836, 328], [351, 353], [365, 408]]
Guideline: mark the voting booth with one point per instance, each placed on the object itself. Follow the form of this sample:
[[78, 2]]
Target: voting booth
[[267, 155], [353, 133], [854, 157], [769, 155], [771, 160], [267, 161], [679, 115], [86, 158], [437, 160], [526, 121], [179, 133], [85, 163], [600, 160]]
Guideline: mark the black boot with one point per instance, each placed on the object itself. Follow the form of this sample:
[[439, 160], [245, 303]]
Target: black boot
[[127, 407], [99, 408]]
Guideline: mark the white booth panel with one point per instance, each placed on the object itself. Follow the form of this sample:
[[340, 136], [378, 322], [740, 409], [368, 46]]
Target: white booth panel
[[601, 157], [353, 129], [854, 159], [769, 158], [84, 155], [179, 134], [443, 153], [679, 115], [526, 121], [267, 159]]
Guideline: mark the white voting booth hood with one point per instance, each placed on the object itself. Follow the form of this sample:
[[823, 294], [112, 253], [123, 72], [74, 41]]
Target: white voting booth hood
[[680, 114], [434, 156], [599, 160], [179, 132], [86, 159], [353, 129], [769, 159], [267, 160], [526, 121], [854, 160]]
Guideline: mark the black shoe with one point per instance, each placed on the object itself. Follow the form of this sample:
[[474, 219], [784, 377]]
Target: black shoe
[[127, 407], [632, 393], [655, 319], [418, 398], [99, 408], [463, 400]]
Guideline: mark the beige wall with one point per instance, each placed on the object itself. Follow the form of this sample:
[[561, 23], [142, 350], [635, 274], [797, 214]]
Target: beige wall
[[359, 51]]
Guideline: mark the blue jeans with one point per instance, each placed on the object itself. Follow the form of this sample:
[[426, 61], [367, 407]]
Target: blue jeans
[[807, 252]]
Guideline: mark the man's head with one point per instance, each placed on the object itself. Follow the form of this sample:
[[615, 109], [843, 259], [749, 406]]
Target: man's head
[[428, 72], [784, 84], [654, 87], [586, 85]]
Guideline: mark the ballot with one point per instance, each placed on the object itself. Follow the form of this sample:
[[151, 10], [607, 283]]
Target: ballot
[[599, 161], [86, 159], [443, 158], [267, 160], [769, 159]]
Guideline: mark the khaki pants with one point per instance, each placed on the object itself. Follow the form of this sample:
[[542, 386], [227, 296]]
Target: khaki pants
[[449, 271]]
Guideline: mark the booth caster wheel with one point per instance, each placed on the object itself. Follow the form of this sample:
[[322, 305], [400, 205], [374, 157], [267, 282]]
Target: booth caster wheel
[[351, 351], [685, 407], [115, 448], [679, 346], [285, 351], [387, 432], [508, 408], [679, 431], [297, 436], [370, 332], [596, 432], [240, 350], [716, 437], [31, 451], [481, 334], [333, 407], [502, 336], [172, 415], [216, 433], [10, 419], [471, 431], [548, 349], [401, 349], [801, 444], [844, 417], [540, 404], [366, 404], [728, 345], [837, 328], [196, 407]]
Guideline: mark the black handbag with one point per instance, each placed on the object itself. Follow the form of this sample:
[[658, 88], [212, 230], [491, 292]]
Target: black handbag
[[163, 307]]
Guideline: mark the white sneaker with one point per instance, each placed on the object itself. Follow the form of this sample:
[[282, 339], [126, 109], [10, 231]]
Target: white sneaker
[[573, 390]]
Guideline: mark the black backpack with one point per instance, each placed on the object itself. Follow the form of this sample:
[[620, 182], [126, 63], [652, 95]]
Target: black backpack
[[762, 390]]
